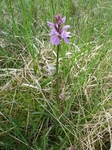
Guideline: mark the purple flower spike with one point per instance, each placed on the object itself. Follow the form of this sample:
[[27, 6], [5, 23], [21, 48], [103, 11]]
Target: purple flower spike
[[59, 19], [57, 32]]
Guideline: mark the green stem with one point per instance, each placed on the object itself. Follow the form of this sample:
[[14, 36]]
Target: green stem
[[57, 76]]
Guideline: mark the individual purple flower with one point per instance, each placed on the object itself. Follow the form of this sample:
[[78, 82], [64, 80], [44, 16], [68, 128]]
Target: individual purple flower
[[57, 32]]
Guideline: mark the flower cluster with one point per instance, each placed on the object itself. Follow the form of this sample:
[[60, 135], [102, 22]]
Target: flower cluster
[[57, 32]]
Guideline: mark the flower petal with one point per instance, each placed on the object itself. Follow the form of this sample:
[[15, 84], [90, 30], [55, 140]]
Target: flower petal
[[63, 19], [54, 32], [51, 25], [55, 40], [66, 40], [68, 34], [66, 27], [65, 34]]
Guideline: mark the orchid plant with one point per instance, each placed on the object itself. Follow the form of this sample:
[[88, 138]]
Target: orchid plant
[[58, 32]]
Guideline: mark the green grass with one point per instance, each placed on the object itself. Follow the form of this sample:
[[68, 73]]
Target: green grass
[[30, 118]]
